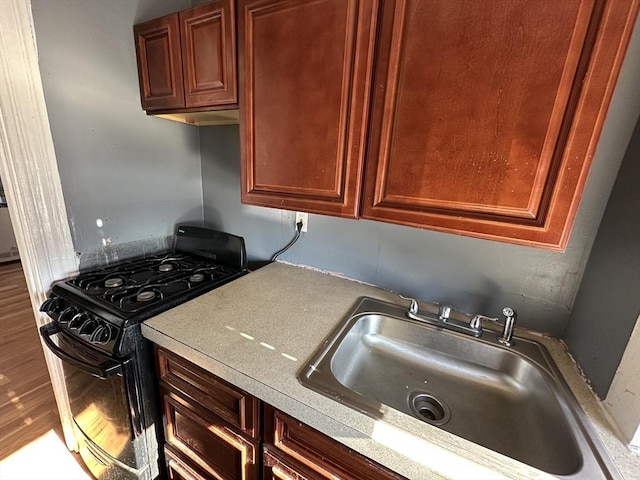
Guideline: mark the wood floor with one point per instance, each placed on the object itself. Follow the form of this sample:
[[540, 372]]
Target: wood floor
[[27, 405]]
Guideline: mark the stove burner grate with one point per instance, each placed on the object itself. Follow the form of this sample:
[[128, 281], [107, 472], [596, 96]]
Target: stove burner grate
[[138, 285]]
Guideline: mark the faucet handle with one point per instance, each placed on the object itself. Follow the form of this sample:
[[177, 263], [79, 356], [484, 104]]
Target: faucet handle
[[476, 321], [413, 308], [444, 312]]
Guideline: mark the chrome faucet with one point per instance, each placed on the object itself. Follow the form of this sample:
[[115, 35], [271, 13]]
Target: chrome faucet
[[442, 319], [473, 327], [510, 320]]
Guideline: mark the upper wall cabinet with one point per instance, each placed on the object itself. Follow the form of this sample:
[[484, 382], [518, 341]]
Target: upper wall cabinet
[[486, 114], [305, 74], [484, 117], [160, 63], [187, 60]]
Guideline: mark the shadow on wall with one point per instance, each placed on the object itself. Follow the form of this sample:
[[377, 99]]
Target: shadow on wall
[[608, 301], [479, 276]]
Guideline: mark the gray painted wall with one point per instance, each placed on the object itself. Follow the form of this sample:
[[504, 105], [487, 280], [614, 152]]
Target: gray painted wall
[[139, 175], [608, 302], [472, 274], [142, 175]]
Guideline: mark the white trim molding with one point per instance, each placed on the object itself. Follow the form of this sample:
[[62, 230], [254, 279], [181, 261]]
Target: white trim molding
[[30, 176]]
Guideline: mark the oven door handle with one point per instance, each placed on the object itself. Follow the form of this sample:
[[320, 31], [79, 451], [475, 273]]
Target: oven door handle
[[112, 368]]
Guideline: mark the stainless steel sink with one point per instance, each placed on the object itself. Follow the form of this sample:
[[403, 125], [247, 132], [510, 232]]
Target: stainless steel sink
[[512, 400]]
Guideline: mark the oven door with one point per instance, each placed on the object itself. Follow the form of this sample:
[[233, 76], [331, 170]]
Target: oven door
[[103, 401]]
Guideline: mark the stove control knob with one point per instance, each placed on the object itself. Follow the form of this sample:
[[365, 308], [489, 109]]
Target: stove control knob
[[77, 320], [66, 315], [101, 335], [50, 305], [89, 326]]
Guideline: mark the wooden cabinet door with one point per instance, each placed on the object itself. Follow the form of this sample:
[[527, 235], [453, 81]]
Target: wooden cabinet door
[[178, 469], [299, 452], [199, 387], [209, 54], [208, 442], [486, 114], [277, 466], [305, 71], [159, 63]]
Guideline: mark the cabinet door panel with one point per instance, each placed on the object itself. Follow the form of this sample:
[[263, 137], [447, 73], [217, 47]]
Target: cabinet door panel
[[208, 52], [480, 124], [159, 63], [305, 79], [319, 455], [179, 469], [233, 405], [207, 442], [277, 466]]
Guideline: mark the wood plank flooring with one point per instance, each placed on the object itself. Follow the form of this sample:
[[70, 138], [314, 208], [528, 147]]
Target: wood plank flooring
[[27, 405]]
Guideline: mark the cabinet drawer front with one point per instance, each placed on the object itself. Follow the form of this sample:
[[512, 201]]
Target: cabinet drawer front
[[278, 466], [236, 407], [208, 442], [179, 468], [319, 453]]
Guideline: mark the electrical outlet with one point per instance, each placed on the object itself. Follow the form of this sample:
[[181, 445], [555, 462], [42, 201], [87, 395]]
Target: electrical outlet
[[304, 218]]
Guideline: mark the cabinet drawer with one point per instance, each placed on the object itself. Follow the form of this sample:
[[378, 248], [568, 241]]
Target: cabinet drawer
[[236, 407], [180, 469], [318, 452], [208, 442], [278, 466]]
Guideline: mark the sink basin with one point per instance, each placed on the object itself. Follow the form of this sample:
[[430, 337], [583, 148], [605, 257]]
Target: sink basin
[[511, 400]]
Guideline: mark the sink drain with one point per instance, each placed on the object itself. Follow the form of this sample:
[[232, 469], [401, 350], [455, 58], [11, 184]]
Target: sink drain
[[429, 409]]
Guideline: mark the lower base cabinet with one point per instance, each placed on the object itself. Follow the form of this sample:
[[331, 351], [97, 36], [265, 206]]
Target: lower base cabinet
[[213, 447], [278, 466], [214, 430], [293, 450], [177, 469]]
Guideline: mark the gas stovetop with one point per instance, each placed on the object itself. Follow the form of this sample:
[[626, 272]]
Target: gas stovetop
[[99, 306], [137, 286]]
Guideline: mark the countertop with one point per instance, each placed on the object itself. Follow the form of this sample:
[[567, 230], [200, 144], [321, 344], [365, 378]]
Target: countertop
[[257, 333]]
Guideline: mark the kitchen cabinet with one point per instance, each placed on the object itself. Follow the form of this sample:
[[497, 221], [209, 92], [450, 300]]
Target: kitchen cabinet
[[160, 63], [211, 427], [214, 430], [178, 470], [187, 60], [483, 120], [494, 134], [295, 450], [305, 74], [277, 466]]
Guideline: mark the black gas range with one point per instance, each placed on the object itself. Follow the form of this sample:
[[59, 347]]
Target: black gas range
[[108, 365]]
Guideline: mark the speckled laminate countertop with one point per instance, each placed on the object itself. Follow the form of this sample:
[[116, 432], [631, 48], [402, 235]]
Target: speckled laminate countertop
[[258, 332]]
